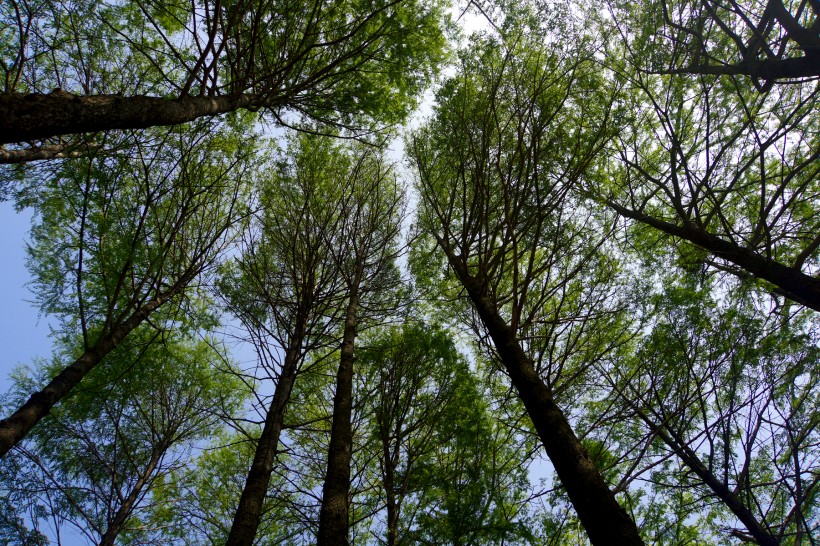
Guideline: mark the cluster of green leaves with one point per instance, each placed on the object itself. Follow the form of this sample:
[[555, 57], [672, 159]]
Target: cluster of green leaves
[[116, 231], [694, 394]]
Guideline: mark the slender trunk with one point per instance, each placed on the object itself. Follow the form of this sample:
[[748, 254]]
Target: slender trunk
[[127, 506], [392, 518], [604, 520], [730, 499], [388, 468], [246, 519], [334, 519], [793, 283], [14, 428], [25, 117]]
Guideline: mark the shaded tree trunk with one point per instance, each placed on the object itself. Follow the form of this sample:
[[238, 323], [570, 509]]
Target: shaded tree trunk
[[392, 513], [246, 519], [604, 520], [25, 117], [769, 69], [14, 428], [334, 516]]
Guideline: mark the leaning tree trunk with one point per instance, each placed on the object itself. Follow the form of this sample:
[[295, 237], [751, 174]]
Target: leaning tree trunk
[[25, 116], [731, 499], [334, 516], [793, 283], [126, 508], [14, 428], [246, 519], [604, 520]]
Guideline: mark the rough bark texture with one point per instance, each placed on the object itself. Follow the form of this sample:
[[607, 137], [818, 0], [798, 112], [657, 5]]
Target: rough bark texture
[[14, 429], [793, 283], [36, 116], [604, 520], [50, 151], [246, 519], [334, 518], [392, 516]]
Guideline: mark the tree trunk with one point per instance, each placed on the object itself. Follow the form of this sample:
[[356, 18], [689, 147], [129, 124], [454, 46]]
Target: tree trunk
[[731, 500], [49, 151], [604, 520], [127, 506], [25, 117], [792, 283], [767, 69], [246, 519], [14, 428], [388, 468], [334, 518], [392, 518]]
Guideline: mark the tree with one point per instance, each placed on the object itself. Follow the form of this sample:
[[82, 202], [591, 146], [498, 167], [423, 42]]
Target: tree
[[17, 507], [472, 483], [717, 414], [98, 65], [285, 289], [513, 133], [196, 504], [121, 237], [99, 457], [413, 372], [709, 161], [768, 41], [365, 246]]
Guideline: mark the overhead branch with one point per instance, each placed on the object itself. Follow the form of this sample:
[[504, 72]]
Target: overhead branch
[[46, 151], [26, 117], [795, 284]]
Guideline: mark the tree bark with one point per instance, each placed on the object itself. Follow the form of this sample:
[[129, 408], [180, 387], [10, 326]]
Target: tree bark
[[36, 116], [14, 428], [392, 516], [391, 503], [604, 520], [50, 151], [334, 516], [792, 283], [246, 520], [771, 70]]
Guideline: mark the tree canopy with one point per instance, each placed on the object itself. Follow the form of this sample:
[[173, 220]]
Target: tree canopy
[[572, 301]]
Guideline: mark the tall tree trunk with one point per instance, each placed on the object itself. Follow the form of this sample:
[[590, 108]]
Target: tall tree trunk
[[388, 467], [246, 519], [604, 520], [793, 283], [14, 428], [334, 518], [392, 516], [25, 117]]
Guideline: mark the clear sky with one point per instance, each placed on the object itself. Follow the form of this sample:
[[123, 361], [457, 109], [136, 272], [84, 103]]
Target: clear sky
[[23, 334]]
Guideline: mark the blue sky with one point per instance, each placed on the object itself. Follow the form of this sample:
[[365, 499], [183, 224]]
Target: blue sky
[[23, 334]]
